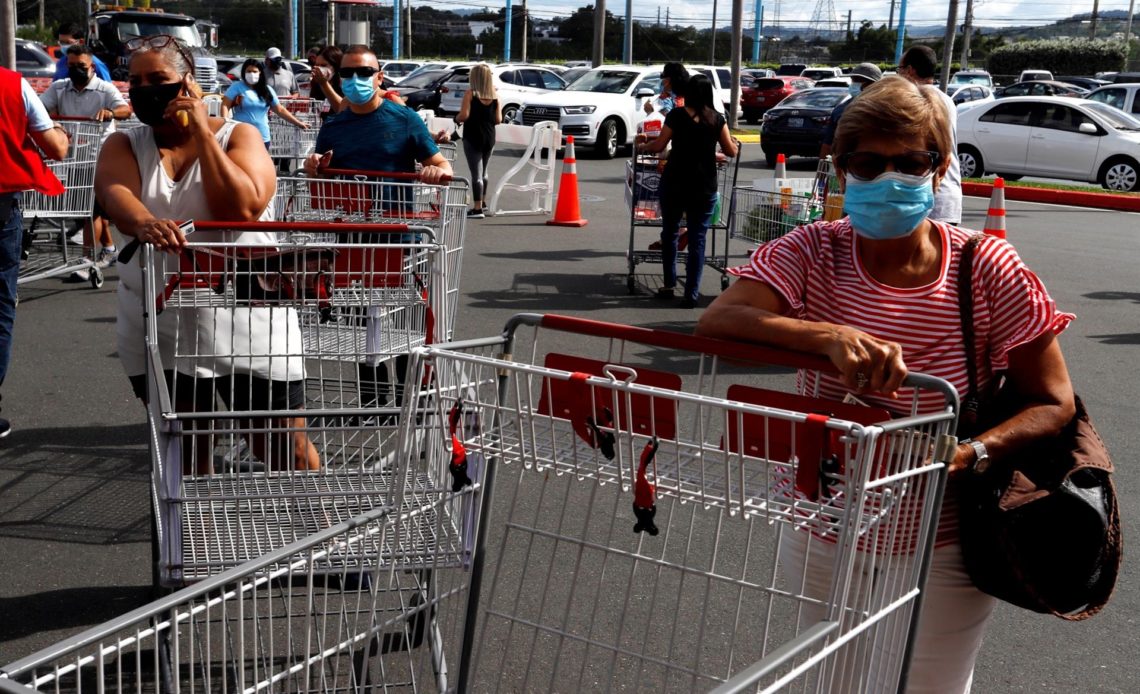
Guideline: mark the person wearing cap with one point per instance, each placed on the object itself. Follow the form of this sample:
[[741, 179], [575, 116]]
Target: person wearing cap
[[862, 75], [919, 65], [278, 75]]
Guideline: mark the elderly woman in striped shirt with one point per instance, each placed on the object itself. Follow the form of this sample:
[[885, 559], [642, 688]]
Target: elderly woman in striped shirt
[[876, 293]]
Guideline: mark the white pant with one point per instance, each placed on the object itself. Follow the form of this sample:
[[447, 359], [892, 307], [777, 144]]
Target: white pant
[[950, 630]]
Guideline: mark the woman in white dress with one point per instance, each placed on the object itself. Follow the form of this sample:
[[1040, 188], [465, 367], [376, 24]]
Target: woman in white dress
[[187, 165]]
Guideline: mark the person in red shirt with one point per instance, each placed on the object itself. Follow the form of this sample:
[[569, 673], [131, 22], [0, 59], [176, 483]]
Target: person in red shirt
[[23, 120]]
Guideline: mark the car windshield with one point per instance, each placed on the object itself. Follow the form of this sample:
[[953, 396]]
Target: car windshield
[[1114, 116], [971, 79], [815, 98], [421, 80], [603, 82], [185, 33]]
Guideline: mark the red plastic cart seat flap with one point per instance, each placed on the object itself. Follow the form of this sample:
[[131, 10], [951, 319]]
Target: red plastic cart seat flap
[[349, 197], [645, 415], [370, 267], [772, 438]]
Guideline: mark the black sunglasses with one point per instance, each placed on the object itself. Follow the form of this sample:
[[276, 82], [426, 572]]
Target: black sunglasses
[[867, 166], [347, 73]]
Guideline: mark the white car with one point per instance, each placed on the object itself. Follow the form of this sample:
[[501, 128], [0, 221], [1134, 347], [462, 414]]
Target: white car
[[514, 84], [974, 77], [721, 78], [1125, 97], [817, 73], [601, 109], [1034, 76], [969, 95], [397, 70], [1051, 137]]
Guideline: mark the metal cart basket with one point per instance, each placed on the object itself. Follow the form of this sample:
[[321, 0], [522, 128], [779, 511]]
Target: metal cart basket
[[765, 212], [46, 249], [643, 197], [287, 141]]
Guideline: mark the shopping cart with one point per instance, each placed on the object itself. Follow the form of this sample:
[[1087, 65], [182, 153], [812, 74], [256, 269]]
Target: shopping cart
[[643, 175], [349, 195], [770, 208], [324, 306], [47, 252], [640, 528], [300, 619], [287, 141]]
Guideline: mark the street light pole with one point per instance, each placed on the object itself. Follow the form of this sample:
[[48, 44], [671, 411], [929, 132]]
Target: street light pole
[[737, 46], [712, 44], [948, 47], [8, 34], [627, 44], [757, 31], [598, 54], [902, 31]]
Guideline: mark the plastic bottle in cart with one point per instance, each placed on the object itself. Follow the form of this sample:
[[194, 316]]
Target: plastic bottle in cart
[[814, 208]]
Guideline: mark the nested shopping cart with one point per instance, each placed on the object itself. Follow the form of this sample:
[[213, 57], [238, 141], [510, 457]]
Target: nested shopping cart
[[239, 468], [770, 208], [287, 141], [654, 520], [643, 176], [349, 195], [46, 250]]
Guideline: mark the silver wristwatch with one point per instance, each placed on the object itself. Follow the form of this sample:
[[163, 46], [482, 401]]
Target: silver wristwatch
[[981, 455]]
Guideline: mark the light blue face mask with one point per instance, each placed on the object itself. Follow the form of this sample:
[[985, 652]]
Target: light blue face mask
[[358, 90], [890, 206], [854, 88]]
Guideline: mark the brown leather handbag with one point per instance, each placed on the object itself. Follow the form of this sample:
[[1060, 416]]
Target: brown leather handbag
[[1039, 529]]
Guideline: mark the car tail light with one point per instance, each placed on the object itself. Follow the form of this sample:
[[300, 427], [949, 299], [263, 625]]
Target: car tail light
[[443, 90], [822, 120]]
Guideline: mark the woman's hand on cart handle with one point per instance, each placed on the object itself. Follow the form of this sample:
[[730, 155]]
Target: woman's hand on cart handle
[[865, 363], [163, 234]]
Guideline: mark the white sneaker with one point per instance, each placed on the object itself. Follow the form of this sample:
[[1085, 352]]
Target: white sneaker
[[106, 258]]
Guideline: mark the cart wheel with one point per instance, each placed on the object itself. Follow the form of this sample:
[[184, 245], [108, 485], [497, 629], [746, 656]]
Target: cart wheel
[[96, 278], [630, 284], [724, 281]]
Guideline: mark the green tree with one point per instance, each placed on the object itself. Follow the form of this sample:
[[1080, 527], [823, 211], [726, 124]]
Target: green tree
[[870, 43]]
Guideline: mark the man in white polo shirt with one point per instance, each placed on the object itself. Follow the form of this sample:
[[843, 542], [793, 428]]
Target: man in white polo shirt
[[84, 95]]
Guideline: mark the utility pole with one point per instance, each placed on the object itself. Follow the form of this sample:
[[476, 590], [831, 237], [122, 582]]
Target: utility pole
[[301, 26], [524, 31], [967, 30], [757, 31], [901, 32], [598, 54], [712, 44], [891, 17], [658, 16], [948, 49], [627, 41], [41, 22], [396, 12], [290, 49], [507, 35], [1128, 29], [408, 30], [666, 17], [737, 46], [1096, 9], [8, 34], [848, 21]]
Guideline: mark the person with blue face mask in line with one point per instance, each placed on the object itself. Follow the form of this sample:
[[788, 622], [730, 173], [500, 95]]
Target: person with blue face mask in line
[[862, 75], [876, 293]]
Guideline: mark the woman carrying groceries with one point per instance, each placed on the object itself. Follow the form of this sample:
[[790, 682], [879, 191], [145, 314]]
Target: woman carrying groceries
[[251, 100], [479, 114], [688, 185], [188, 166], [877, 293]]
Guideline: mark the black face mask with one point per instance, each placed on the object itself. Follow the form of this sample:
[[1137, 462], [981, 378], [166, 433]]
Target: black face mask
[[150, 102], [78, 75]]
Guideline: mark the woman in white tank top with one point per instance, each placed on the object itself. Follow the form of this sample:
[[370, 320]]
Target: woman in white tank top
[[151, 178]]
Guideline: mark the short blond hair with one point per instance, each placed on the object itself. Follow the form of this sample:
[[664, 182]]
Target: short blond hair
[[896, 107], [481, 81]]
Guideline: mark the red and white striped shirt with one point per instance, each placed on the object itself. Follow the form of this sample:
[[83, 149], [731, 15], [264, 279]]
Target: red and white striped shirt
[[817, 269]]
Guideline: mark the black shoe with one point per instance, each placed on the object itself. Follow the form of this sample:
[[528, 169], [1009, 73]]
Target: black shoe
[[665, 294], [688, 303], [475, 213], [5, 427]]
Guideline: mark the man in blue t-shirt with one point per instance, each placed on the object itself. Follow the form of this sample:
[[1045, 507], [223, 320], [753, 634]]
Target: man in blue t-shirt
[[374, 133], [69, 35]]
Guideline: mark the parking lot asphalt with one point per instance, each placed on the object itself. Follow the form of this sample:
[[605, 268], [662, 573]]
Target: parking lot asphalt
[[74, 474]]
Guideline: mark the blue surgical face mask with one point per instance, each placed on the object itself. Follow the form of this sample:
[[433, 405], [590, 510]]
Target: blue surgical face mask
[[890, 206], [358, 90], [854, 88]]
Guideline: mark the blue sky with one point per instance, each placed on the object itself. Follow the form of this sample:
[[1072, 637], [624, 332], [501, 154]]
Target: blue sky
[[699, 12]]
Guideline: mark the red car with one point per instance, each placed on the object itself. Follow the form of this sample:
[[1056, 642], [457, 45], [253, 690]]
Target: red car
[[764, 93]]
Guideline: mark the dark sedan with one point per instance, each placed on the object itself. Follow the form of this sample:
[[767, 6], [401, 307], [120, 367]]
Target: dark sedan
[[1041, 88], [422, 91], [795, 126]]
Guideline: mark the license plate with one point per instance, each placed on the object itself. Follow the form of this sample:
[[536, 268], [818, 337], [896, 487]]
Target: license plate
[[795, 122]]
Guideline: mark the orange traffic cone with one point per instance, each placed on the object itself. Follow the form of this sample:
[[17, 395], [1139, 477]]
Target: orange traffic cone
[[781, 166], [566, 211], [995, 218]]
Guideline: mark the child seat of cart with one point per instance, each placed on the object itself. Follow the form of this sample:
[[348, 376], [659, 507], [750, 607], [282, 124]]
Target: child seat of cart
[[368, 197], [590, 412]]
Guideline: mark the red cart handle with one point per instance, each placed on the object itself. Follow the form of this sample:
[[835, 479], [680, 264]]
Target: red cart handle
[[395, 175], [737, 351], [316, 227]]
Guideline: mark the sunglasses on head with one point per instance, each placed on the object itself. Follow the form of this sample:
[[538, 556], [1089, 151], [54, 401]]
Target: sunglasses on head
[[362, 71], [158, 42], [867, 166]]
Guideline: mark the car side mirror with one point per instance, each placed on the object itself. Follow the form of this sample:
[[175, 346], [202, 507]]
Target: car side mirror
[[1087, 128], [645, 92]]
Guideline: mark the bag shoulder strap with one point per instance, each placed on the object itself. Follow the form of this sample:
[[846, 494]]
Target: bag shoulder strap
[[972, 402]]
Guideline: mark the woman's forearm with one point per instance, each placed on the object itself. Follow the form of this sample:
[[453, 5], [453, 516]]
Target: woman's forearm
[[749, 324], [231, 192]]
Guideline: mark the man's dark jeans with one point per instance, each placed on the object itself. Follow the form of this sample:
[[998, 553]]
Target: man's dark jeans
[[11, 239]]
